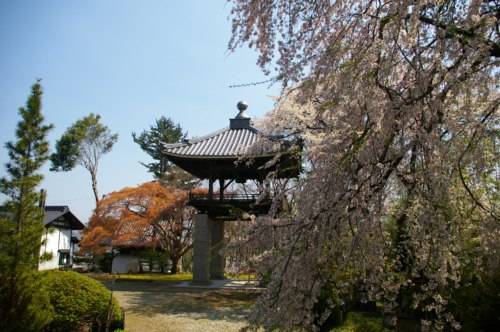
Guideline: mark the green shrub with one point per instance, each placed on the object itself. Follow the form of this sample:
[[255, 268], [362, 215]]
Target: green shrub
[[476, 303], [329, 301], [79, 301], [361, 322]]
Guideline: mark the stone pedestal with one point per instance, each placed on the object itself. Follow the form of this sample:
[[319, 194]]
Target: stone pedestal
[[208, 245], [201, 249], [217, 260]]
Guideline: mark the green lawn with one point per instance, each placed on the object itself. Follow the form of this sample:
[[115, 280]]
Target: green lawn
[[243, 276], [179, 277]]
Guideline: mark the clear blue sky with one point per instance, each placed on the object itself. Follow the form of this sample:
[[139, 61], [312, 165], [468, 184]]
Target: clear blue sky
[[129, 61]]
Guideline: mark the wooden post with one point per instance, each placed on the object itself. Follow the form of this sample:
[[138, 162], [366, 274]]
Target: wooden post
[[210, 188], [210, 184], [221, 189]]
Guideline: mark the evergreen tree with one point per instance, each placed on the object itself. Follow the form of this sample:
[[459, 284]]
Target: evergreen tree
[[83, 143], [24, 305], [164, 131]]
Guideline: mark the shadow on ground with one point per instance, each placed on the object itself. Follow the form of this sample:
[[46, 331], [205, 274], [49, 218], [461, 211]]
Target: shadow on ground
[[150, 299]]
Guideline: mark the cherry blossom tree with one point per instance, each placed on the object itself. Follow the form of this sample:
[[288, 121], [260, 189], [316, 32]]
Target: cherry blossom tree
[[397, 103]]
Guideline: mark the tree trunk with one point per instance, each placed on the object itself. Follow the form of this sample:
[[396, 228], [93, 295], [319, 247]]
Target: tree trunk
[[93, 175], [175, 265]]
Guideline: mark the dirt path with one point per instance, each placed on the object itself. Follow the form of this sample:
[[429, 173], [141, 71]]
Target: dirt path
[[157, 307]]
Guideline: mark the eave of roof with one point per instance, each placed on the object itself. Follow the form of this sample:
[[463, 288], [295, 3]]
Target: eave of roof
[[226, 143], [231, 157]]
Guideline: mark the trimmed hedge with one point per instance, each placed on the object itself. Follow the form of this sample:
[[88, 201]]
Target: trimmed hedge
[[80, 301]]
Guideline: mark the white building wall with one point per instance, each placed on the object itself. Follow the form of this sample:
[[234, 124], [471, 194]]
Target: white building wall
[[55, 239]]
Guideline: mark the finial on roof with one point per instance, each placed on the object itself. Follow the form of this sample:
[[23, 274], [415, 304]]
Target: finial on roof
[[242, 106]]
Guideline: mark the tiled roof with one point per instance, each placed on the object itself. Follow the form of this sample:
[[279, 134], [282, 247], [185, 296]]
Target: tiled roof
[[131, 234], [223, 143], [54, 212]]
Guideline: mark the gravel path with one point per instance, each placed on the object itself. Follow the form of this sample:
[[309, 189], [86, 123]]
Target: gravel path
[[157, 307]]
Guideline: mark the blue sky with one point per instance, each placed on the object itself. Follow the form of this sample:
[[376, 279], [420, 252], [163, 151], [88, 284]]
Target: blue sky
[[129, 61]]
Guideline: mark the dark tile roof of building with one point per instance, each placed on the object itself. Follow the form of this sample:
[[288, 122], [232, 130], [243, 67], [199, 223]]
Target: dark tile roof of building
[[227, 142], [55, 212], [131, 235]]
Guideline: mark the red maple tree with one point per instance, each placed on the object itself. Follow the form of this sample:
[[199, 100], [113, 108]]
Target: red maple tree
[[150, 215]]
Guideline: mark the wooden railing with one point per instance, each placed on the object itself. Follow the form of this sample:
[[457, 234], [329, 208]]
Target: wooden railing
[[228, 197]]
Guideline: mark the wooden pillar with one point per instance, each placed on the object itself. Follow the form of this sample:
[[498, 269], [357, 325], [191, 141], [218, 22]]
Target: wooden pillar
[[221, 189], [210, 182], [210, 189]]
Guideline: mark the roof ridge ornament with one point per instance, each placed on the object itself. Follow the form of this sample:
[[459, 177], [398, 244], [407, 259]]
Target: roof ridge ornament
[[242, 106], [241, 120]]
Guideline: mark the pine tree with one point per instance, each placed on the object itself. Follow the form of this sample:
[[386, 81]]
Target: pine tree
[[83, 143], [152, 141], [23, 304]]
